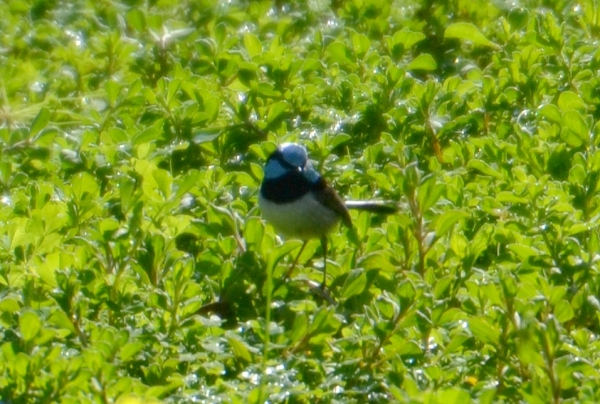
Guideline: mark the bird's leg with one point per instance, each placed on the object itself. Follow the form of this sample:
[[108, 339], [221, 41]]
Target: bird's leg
[[317, 289], [289, 272], [321, 290], [324, 247]]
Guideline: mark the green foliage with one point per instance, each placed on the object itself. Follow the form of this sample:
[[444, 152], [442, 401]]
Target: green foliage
[[134, 265]]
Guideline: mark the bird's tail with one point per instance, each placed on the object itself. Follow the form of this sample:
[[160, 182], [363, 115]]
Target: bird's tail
[[381, 207]]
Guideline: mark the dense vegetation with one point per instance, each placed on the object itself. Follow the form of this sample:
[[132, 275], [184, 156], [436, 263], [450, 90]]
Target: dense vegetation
[[132, 136]]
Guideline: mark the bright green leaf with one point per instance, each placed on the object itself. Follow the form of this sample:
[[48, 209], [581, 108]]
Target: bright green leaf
[[252, 44], [29, 325], [39, 122], [277, 109], [563, 311], [484, 331], [568, 100], [406, 38], [575, 131], [447, 219], [423, 62], [240, 349], [84, 183], [360, 44], [483, 168], [355, 283], [164, 181], [524, 251], [468, 32]]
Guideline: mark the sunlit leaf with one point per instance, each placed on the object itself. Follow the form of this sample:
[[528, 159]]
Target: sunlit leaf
[[252, 44], [575, 131], [484, 331], [360, 44], [39, 122], [423, 62], [29, 325], [355, 283], [468, 32], [447, 220]]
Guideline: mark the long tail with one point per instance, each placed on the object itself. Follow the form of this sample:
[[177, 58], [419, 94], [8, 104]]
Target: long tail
[[381, 207]]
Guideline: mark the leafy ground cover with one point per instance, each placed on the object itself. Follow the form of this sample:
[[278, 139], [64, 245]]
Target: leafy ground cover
[[131, 141]]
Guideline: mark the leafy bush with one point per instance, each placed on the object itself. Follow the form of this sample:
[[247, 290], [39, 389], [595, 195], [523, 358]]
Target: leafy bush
[[134, 263]]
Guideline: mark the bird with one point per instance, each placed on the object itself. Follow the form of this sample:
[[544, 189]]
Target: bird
[[299, 203]]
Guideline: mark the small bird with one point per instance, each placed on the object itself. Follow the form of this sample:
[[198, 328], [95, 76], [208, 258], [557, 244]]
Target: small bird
[[300, 204]]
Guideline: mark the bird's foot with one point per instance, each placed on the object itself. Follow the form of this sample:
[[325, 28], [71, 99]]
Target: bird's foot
[[318, 289]]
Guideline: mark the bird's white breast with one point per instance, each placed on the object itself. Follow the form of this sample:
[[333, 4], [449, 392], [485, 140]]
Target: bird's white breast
[[305, 218]]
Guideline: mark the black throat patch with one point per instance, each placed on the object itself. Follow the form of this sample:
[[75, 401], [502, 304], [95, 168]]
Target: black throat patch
[[289, 187]]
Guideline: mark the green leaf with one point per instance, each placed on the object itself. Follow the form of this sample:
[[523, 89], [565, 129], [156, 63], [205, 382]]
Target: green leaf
[[29, 325], [492, 293], [84, 184], [112, 89], [523, 251], [252, 44], [5, 172], [117, 136], [150, 134], [423, 62], [578, 228], [211, 107], [299, 328], [468, 32], [39, 122], [563, 311], [459, 244], [126, 192], [406, 38], [456, 343], [338, 139], [453, 395], [277, 109], [8, 305], [61, 320], [46, 269], [185, 184], [442, 285], [551, 112], [17, 233], [240, 349], [173, 90], [164, 181], [575, 131], [21, 364], [324, 321], [254, 231], [577, 174], [136, 19], [430, 191], [130, 350], [204, 136], [338, 53], [568, 100], [360, 44], [484, 331], [355, 283], [483, 168], [447, 219], [510, 197]]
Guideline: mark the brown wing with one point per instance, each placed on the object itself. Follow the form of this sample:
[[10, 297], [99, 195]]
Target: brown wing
[[328, 197]]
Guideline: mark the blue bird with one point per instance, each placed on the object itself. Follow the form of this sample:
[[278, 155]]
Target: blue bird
[[300, 204]]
